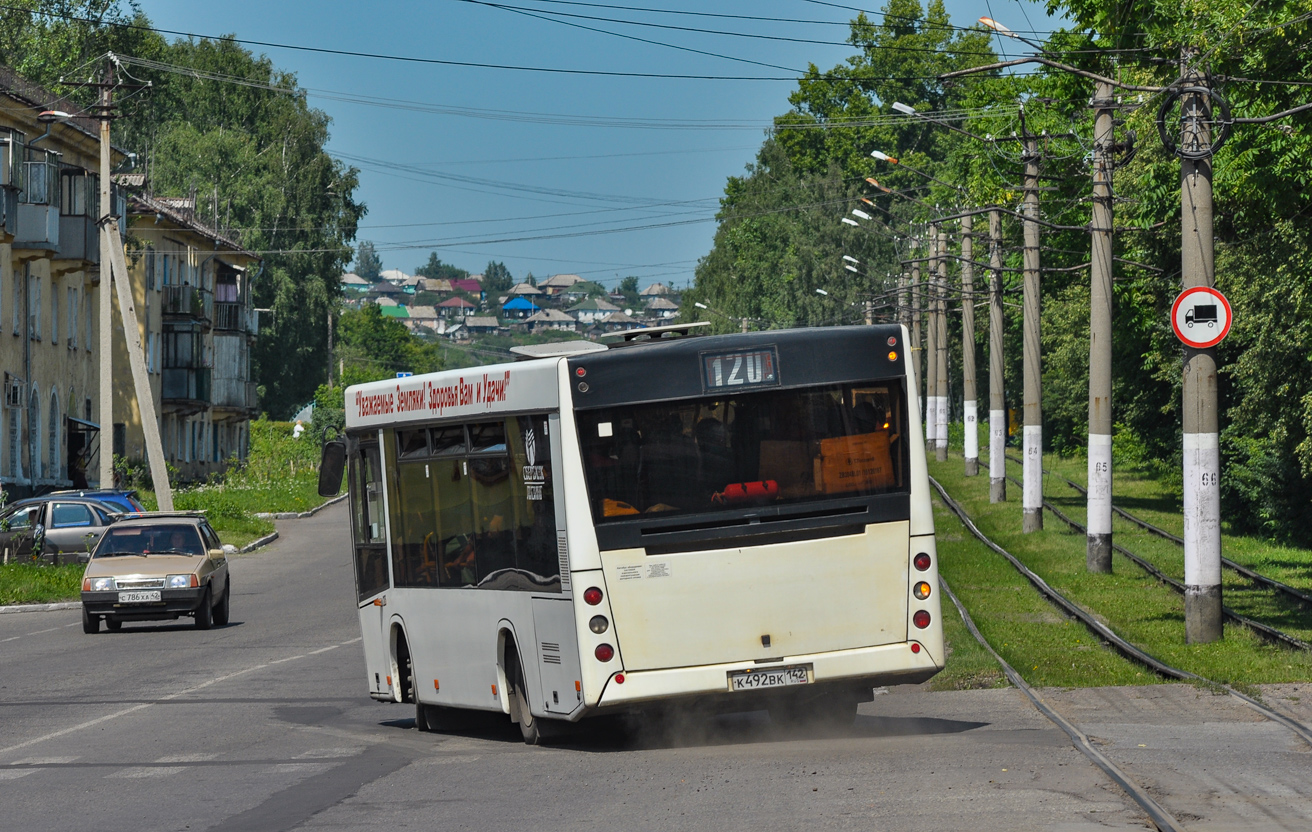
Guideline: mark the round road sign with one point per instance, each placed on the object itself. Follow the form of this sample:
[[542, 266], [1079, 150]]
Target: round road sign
[[1201, 317]]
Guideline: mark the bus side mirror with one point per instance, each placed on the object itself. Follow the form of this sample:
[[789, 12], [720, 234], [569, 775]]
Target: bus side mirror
[[331, 467]]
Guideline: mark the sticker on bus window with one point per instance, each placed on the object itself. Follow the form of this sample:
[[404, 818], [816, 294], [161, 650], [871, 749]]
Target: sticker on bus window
[[629, 573], [604, 429]]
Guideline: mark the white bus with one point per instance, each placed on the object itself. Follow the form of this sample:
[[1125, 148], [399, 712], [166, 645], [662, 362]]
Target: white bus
[[732, 522]]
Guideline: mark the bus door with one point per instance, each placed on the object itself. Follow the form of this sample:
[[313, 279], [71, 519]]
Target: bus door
[[369, 538]]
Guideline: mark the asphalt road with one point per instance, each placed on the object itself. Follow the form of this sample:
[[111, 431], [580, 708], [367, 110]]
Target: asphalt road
[[266, 725]]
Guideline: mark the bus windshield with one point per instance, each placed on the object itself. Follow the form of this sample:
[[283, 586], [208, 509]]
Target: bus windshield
[[761, 448]]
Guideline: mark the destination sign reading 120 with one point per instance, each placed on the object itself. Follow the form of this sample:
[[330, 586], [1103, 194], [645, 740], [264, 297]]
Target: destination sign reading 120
[[740, 368]]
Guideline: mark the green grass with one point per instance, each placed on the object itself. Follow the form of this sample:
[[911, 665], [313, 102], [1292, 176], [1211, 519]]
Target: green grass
[[25, 583], [1045, 647], [280, 475], [1136, 606]]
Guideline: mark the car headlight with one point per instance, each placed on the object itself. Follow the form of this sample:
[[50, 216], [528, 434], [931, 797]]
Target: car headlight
[[181, 581], [101, 584]]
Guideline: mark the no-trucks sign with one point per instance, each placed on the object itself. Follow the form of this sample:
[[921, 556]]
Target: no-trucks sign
[[1201, 317]]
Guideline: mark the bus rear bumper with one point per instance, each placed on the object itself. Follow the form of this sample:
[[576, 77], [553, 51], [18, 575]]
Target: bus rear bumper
[[861, 667]]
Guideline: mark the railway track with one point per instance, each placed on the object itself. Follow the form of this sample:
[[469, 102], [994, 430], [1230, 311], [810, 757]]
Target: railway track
[[1238, 568], [1113, 639]]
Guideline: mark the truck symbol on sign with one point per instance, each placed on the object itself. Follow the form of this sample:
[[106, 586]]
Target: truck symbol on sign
[[1203, 314]]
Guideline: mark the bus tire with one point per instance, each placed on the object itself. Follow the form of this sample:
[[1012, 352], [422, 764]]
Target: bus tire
[[528, 724], [421, 718]]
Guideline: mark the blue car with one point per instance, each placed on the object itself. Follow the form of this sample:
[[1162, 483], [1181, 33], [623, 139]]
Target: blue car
[[118, 498]]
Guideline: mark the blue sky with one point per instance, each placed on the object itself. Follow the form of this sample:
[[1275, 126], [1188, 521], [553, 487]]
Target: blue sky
[[567, 180]]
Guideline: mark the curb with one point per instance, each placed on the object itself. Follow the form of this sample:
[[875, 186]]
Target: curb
[[292, 515], [63, 605], [253, 545]]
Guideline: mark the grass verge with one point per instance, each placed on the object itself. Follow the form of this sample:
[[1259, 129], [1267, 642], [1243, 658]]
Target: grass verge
[[1139, 608], [26, 583], [1045, 647]]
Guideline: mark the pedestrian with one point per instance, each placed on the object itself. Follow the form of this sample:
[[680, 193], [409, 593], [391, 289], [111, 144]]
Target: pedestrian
[[298, 430]]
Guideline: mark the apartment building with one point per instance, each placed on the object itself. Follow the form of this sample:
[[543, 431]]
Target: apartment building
[[49, 285], [192, 291]]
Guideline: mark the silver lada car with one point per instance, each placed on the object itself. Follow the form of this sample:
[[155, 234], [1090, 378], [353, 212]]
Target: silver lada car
[[153, 567]]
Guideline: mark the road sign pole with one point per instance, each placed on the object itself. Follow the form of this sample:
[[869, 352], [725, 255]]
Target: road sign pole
[[1202, 463], [997, 375], [1099, 554], [969, 415]]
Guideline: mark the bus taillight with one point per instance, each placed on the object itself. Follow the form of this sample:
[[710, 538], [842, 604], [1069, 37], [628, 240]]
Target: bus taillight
[[592, 595], [605, 652], [922, 561], [921, 590], [598, 624], [921, 619]]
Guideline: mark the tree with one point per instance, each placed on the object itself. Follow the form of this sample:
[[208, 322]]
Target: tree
[[496, 277], [367, 263], [435, 269]]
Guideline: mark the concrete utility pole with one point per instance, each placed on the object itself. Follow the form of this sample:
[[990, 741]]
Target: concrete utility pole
[[997, 378], [105, 310], [917, 345], [1032, 490], [904, 299], [1099, 555], [941, 384], [931, 343], [969, 414], [330, 347], [114, 273], [1202, 495]]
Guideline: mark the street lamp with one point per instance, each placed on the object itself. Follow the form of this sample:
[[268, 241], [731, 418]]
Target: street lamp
[[1003, 30], [884, 157]]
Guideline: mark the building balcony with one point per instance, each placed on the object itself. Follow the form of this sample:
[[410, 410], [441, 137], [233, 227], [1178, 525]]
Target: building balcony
[[189, 302], [38, 226], [234, 394], [79, 239], [236, 317], [186, 386], [9, 204]]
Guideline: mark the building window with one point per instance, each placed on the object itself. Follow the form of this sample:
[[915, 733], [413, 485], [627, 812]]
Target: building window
[[18, 305], [120, 439], [150, 352], [54, 315], [52, 439], [72, 319], [150, 268], [33, 305], [90, 318]]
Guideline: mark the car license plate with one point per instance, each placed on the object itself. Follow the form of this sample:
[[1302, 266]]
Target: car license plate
[[141, 596], [775, 677]]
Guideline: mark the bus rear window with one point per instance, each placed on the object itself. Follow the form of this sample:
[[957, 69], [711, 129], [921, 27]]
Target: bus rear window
[[764, 448]]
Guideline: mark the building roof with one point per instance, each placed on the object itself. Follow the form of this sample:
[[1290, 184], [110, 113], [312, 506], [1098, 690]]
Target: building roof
[[436, 284], [423, 312], [552, 316], [661, 303], [473, 287], [525, 289], [394, 311], [386, 302], [353, 279], [455, 303], [486, 322], [516, 304], [560, 281], [594, 305], [172, 208], [655, 289], [477, 277], [385, 288], [617, 318], [394, 275]]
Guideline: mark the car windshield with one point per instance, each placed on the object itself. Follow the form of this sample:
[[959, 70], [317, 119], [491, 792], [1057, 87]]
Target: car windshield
[[151, 540]]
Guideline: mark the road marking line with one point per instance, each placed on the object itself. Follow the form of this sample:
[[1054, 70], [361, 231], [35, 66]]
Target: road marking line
[[107, 717], [15, 774], [323, 649], [327, 753], [353, 641], [43, 761], [145, 772], [39, 632], [11, 638], [186, 758]]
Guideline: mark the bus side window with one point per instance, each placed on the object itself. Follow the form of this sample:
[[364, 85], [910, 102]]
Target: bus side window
[[533, 500]]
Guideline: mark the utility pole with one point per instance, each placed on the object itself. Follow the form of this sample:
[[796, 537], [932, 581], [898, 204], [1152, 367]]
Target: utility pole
[[917, 348], [1202, 495], [969, 413], [1032, 489], [941, 350], [904, 300], [997, 394], [105, 310], [1099, 554], [931, 343], [114, 277], [330, 347]]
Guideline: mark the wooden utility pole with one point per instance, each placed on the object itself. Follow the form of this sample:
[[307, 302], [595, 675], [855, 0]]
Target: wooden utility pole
[[1032, 487], [1099, 554], [105, 309], [997, 394], [969, 412], [1202, 495]]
